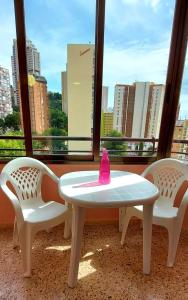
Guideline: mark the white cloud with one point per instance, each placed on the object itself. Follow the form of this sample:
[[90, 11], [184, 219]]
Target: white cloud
[[147, 62], [7, 34], [130, 2], [135, 63], [139, 63], [135, 17], [152, 3]]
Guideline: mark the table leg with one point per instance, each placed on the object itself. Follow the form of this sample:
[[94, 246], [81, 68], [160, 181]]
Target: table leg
[[147, 235], [77, 231]]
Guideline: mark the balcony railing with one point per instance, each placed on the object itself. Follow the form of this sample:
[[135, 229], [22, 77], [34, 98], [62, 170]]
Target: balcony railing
[[149, 147]]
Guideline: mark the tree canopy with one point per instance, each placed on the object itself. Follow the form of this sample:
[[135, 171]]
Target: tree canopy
[[10, 123], [56, 144], [58, 119], [55, 100], [114, 146], [12, 144]]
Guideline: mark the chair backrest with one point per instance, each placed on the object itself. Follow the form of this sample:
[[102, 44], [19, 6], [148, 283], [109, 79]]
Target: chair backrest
[[25, 175], [168, 175]]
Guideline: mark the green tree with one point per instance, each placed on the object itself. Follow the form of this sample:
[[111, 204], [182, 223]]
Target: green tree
[[16, 108], [58, 119], [2, 126], [115, 145], [12, 121], [37, 145], [58, 144], [12, 144], [55, 100], [150, 148], [140, 147]]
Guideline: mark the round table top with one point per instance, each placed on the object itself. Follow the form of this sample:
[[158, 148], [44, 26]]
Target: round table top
[[125, 189]]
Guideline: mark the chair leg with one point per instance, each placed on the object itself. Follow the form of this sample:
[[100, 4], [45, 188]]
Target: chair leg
[[176, 236], [26, 247], [126, 220], [170, 259], [15, 235], [67, 229]]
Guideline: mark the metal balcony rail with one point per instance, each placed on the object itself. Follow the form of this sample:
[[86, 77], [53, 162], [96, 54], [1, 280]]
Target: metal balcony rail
[[129, 140]]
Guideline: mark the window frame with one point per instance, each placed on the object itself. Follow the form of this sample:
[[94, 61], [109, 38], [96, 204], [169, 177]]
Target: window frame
[[175, 70], [174, 77]]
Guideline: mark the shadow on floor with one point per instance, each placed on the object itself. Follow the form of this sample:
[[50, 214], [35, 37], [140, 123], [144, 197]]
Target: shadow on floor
[[107, 270]]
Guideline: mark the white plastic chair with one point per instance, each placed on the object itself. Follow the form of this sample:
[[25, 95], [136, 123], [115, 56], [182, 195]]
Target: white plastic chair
[[32, 214], [168, 175]]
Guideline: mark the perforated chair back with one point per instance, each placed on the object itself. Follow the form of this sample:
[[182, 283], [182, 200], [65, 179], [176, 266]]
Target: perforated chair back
[[168, 175], [25, 175]]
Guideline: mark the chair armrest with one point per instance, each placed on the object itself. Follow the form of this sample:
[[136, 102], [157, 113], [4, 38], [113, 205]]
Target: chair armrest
[[183, 205], [145, 172], [52, 175], [15, 203]]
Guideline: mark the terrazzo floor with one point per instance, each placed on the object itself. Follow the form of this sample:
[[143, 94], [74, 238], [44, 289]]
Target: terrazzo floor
[[107, 270]]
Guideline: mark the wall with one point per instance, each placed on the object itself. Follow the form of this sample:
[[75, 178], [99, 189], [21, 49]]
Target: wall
[[50, 192]]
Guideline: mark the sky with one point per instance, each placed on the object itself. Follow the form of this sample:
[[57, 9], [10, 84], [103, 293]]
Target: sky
[[136, 45]]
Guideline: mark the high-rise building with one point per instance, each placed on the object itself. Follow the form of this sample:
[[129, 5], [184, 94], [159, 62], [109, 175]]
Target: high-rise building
[[78, 93], [5, 93], [106, 123], [38, 101], [124, 97], [33, 58], [118, 106], [105, 98], [184, 147], [64, 92], [154, 110], [138, 109], [15, 72], [178, 135], [33, 65]]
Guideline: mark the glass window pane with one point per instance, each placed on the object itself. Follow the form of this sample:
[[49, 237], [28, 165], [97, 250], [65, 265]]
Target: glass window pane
[[10, 124], [136, 49], [180, 144], [60, 49]]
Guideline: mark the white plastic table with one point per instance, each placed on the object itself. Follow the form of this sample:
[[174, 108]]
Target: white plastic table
[[82, 190]]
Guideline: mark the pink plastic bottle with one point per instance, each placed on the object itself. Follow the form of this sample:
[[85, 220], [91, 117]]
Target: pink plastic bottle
[[104, 171]]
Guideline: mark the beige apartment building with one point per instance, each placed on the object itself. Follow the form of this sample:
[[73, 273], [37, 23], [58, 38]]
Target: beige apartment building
[[184, 147], [38, 101], [128, 110], [154, 110], [78, 93], [178, 134]]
